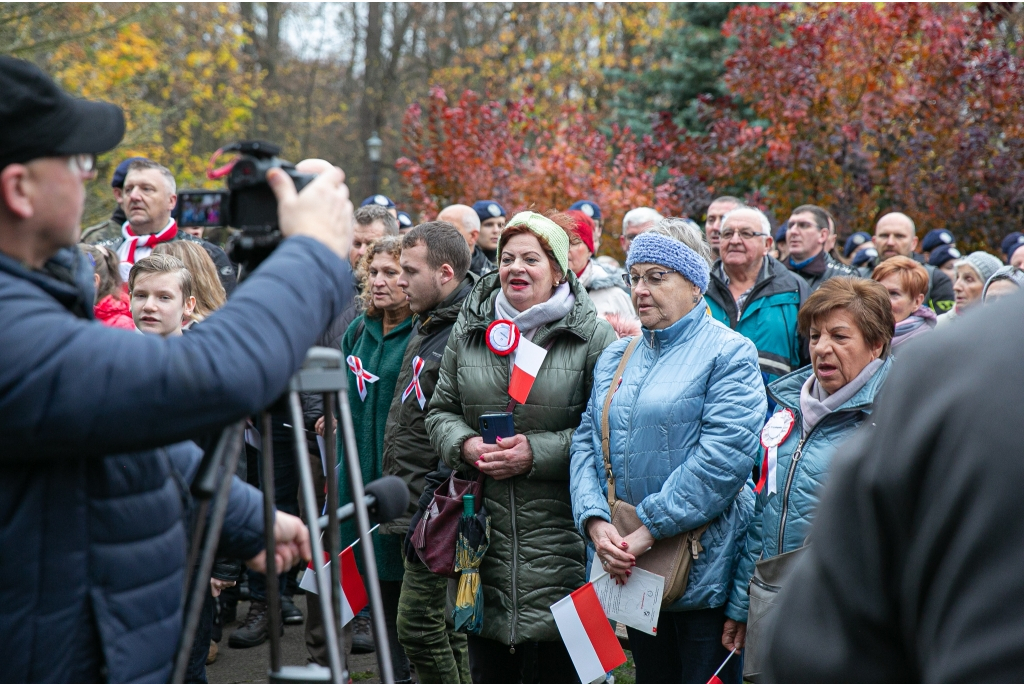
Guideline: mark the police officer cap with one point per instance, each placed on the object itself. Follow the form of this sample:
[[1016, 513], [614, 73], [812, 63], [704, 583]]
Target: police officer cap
[[404, 220], [1011, 243], [854, 242], [382, 200], [589, 208], [865, 256], [936, 237], [117, 180], [943, 254], [488, 209]]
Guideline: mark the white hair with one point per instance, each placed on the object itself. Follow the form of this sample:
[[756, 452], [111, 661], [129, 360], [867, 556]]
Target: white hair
[[766, 226], [640, 215], [686, 232]]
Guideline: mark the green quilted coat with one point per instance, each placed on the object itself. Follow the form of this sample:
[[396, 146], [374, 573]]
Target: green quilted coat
[[536, 556]]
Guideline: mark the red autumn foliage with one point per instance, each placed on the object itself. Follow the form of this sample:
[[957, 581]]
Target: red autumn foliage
[[476, 149], [861, 108]]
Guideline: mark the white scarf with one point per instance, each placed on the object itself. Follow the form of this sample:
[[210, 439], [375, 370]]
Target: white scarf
[[136, 247], [553, 309]]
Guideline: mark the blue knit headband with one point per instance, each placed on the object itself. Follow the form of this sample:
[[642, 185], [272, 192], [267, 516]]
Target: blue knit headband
[[653, 248]]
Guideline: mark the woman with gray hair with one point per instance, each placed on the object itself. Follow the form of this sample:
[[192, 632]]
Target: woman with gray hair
[[972, 272], [681, 405]]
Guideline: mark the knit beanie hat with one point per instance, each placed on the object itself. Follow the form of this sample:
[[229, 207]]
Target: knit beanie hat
[[984, 263], [654, 248], [1004, 273], [545, 228], [583, 226]]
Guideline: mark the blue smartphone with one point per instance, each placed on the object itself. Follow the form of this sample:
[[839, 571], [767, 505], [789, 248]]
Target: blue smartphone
[[497, 425]]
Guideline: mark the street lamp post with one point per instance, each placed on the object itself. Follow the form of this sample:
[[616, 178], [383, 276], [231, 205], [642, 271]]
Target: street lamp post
[[373, 149]]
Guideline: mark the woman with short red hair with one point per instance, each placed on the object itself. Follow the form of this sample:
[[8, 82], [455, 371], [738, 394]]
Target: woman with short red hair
[[907, 283]]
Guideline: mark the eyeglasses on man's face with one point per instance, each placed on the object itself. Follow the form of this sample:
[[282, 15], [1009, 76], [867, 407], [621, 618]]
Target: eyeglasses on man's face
[[83, 163], [728, 233]]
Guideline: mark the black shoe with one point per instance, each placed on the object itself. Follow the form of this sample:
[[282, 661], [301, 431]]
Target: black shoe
[[254, 630], [290, 613], [362, 638]]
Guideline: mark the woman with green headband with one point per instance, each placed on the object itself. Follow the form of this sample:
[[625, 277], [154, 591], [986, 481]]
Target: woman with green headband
[[536, 557]]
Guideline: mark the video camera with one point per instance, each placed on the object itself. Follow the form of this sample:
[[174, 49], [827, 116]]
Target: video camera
[[248, 204]]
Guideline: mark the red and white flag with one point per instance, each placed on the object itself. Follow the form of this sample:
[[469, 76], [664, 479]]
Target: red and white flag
[[353, 590], [529, 357], [587, 634]]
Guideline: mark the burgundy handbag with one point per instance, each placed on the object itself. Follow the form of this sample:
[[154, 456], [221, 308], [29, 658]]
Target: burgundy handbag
[[438, 530]]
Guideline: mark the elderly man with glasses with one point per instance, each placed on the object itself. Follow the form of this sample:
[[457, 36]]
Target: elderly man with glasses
[[755, 295]]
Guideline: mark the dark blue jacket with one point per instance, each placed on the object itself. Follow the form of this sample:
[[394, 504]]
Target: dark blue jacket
[[92, 463]]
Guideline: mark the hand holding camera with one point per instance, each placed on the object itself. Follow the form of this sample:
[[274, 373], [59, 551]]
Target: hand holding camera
[[322, 210]]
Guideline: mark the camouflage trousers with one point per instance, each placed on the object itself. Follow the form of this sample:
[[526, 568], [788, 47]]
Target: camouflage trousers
[[439, 654]]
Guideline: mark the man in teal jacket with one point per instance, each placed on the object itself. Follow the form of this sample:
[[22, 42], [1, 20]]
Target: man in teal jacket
[[755, 295]]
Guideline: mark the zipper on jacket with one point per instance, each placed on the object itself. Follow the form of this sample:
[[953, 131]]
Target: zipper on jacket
[[515, 566], [656, 349], [797, 454], [785, 491]]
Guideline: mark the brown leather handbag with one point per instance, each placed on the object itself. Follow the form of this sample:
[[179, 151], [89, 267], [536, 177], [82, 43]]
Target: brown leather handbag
[[437, 532], [670, 557]]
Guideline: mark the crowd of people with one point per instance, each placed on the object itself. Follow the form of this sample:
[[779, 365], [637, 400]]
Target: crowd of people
[[707, 382]]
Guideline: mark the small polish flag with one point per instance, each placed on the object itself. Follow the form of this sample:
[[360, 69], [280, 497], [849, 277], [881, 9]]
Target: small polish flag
[[529, 357], [587, 634], [353, 591]]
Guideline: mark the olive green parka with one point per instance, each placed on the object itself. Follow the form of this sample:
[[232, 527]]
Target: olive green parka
[[536, 556]]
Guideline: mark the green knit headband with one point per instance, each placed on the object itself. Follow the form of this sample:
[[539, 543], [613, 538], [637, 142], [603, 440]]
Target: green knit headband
[[547, 229]]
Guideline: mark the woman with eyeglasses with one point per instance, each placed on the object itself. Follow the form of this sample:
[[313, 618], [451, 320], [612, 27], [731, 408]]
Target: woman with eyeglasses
[[683, 426]]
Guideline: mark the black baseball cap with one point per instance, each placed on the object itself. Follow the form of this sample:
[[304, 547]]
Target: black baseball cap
[[38, 119]]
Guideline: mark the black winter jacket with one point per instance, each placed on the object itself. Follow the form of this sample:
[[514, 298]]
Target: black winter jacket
[[820, 269], [92, 467], [407, 449]]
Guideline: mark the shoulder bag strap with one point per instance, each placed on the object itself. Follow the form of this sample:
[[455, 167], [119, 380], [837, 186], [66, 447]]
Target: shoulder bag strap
[[605, 427]]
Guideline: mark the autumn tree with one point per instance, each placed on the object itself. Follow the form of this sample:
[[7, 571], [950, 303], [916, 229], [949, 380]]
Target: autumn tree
[[864, 109], [472, 149]]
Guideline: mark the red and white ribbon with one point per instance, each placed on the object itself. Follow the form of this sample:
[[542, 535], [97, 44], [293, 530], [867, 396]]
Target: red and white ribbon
[[502, 337], [774, 433], [355, 364], [414, 385]]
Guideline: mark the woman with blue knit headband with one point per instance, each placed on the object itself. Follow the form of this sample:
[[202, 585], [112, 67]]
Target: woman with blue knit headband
[[685, 405], [525, 343]]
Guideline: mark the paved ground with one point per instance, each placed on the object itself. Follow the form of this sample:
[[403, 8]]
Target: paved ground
[[250, 665]]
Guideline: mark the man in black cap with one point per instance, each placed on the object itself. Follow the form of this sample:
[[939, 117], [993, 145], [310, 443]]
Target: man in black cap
[[93, 419]]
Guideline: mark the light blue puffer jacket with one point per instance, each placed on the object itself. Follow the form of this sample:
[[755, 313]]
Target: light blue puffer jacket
[[685, 424], [799, 487]]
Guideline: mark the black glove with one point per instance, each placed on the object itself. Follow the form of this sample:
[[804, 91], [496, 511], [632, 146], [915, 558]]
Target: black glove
[[410, 552]]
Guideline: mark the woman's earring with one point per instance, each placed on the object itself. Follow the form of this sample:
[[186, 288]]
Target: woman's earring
[[696, 299]]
